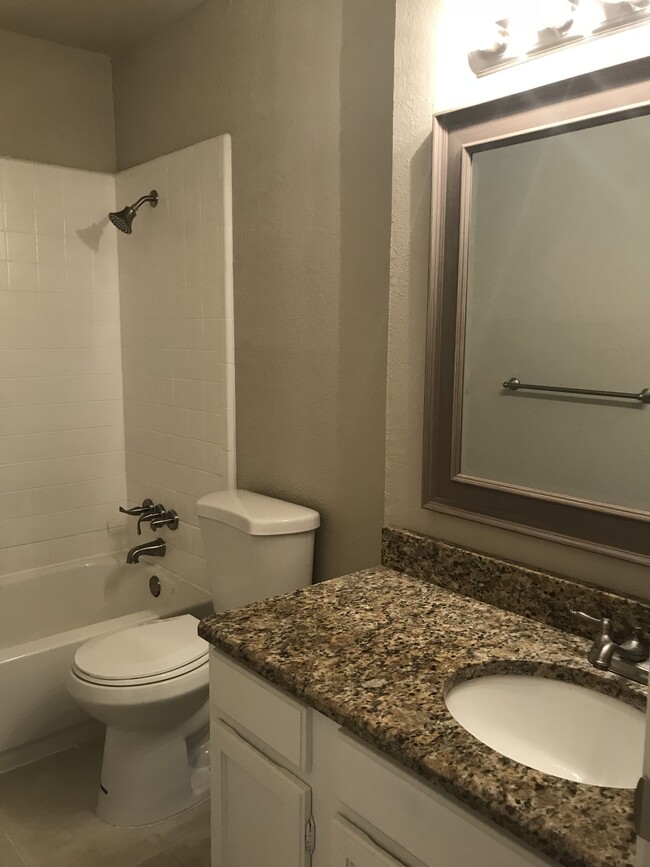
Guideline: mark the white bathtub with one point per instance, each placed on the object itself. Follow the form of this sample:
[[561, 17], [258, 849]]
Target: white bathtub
[[45, 614]]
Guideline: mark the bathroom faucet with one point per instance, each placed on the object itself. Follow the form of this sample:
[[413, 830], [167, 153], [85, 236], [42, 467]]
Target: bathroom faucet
[[156, 548], [154, 512], [626, 658]]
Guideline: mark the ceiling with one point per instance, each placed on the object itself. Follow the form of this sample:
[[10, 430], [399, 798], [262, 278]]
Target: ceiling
[[106, 26]]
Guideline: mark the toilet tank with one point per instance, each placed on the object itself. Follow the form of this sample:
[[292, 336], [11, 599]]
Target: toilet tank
[[255, 546]]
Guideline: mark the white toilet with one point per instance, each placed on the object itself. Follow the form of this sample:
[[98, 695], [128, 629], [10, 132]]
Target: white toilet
[[149, 683]]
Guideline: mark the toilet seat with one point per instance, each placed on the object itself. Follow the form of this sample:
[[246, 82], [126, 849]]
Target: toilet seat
[[149, 653]]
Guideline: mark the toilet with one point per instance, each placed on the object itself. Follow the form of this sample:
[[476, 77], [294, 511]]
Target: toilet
[[149, 683]]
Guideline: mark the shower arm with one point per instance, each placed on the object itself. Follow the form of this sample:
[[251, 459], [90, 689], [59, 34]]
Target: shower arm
[[152, 197]]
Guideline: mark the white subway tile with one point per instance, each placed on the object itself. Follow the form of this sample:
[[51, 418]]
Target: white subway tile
[[11, 560], [214, 396], [37, 554], [23, 276], [49, 218], [202, 483], [47, 187], [65, 549], [197, 425], [174, 420], [196, 364], [189, 393], [195, 333], [53, 278], [52, 306], [61, 457], [21, 247], [20, 216], [51, 249], [17, 183], [214, 428], [80, 275], [11, 505], [214, 459]]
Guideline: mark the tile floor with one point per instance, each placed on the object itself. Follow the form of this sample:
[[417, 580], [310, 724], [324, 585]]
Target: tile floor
[[47, 819]]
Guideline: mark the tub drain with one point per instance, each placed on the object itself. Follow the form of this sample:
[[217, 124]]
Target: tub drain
[[154, 585]]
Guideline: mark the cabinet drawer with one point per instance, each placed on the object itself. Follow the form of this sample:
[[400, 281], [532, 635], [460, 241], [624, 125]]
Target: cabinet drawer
[[268, 714], [431, 826], [352, 848]]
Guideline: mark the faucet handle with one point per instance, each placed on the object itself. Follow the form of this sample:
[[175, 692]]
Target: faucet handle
[[636, 648], [149, 515], [604, 623], [146, 506], [166, 519]]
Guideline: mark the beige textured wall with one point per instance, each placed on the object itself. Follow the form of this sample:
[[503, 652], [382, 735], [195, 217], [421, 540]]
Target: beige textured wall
[[431, 73], [56, 104], [305, 89]]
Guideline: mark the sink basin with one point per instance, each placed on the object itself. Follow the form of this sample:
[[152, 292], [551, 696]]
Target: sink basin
[[559, 728]]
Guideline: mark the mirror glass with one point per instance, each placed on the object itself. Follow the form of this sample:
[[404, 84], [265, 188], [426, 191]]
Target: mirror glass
[[558, 294]]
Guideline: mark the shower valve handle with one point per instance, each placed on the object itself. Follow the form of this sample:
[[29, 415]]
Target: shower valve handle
[[147, 506], [150, 515], [169, 519]]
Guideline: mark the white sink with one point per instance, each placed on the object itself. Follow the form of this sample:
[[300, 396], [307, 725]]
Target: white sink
[[555, 727]]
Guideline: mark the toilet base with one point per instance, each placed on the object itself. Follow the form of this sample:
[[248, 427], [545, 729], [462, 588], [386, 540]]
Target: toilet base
[[147, 777]]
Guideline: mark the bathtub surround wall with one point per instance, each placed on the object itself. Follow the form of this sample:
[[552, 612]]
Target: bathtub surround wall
[[306, 91], [62, 432], [177, 340], [56, 104]]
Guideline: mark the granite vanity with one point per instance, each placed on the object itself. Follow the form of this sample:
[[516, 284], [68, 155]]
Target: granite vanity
[[377, 651]]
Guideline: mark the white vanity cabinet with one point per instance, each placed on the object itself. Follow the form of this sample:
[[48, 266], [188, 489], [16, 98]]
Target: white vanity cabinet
[[291, 788], [352, 848], [261, 808]]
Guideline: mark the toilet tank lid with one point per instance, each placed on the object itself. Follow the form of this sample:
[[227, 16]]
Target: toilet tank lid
[[256, 514]]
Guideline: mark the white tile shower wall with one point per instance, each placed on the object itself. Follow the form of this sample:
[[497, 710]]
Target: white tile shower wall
[[61, 424], [177, 340]]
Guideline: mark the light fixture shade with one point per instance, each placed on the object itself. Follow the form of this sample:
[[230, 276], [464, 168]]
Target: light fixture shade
[[532, 27], [617, 11]]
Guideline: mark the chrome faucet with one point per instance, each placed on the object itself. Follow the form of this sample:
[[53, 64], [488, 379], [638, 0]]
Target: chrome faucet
[[156, 548], [626, 658]]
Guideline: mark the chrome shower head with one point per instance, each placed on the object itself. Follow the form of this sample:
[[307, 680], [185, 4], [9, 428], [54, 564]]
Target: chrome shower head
[[123, 219]]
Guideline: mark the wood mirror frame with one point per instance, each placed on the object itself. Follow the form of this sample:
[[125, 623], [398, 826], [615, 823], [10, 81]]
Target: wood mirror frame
[[615, 93]]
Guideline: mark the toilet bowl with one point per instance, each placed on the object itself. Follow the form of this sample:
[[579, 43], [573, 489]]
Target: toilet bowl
[[149, 684]]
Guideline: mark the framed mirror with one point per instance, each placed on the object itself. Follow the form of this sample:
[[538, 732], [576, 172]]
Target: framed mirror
[[537, 405]]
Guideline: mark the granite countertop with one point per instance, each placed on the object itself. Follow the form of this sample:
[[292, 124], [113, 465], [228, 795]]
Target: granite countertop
[[376, 651]]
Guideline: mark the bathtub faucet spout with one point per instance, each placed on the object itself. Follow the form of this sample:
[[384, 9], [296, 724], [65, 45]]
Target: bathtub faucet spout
[[156, 548]]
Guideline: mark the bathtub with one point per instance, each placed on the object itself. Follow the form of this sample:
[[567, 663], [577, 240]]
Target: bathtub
[[45, 615]]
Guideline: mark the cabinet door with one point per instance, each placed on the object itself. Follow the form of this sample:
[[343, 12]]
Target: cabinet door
[[352, 848], [259, 810]]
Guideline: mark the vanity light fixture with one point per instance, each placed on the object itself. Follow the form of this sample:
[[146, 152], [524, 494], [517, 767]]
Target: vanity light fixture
[[494, 41], [532, 27], [619, 13]]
